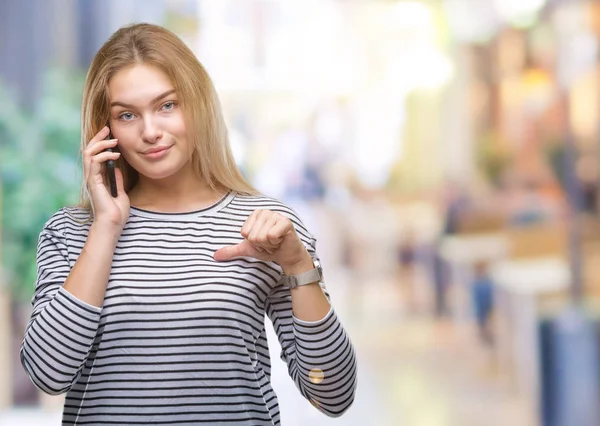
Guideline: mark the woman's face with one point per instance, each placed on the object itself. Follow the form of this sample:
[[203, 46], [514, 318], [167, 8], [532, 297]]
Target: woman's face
[[146, 118]]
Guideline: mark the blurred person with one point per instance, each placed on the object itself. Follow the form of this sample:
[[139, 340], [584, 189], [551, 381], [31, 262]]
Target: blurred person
[[588, 176], [149, 303], [406, 251], [455, 205], [482, 296], [441, 280], [406, 258]]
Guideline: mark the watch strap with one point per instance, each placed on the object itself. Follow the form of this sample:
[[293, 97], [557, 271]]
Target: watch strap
[[308, 277]]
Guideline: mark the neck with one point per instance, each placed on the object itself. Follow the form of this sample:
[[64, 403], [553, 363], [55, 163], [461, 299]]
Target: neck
[[176, 194]]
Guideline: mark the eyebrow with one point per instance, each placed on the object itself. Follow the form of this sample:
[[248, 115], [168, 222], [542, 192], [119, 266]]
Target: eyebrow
[[156, 99]]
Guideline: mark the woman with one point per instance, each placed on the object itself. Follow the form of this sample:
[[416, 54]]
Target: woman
[[149, 306]]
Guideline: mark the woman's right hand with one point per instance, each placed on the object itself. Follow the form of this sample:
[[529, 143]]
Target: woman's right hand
[[108, 210]]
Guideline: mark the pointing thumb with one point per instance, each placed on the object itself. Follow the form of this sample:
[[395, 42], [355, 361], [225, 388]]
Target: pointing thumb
[[230, 252]]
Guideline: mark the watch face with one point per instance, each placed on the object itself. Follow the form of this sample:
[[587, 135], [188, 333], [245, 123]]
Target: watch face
[[318, 268]]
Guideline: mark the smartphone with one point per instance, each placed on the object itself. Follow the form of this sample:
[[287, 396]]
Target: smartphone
[[110, 171]]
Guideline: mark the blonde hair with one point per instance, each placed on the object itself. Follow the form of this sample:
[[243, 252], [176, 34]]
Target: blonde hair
[[156, 46]]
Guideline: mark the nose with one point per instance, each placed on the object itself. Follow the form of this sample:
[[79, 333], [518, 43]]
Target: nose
[[151, 132]]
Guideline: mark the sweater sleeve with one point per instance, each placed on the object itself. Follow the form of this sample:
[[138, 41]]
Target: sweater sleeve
[[59, 335], [319, 355]]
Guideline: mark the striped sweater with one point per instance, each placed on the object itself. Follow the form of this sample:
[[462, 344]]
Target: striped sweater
[[180, 338]]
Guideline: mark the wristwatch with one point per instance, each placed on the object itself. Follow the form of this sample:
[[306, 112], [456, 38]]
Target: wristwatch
[[308, 277]]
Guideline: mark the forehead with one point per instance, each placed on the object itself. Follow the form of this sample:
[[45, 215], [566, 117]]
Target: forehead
[[138, 84]]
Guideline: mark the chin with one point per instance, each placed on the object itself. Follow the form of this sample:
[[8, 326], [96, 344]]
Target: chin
[[159, 172]]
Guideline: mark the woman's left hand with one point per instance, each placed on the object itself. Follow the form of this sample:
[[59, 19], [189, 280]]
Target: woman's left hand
[[268, 236]]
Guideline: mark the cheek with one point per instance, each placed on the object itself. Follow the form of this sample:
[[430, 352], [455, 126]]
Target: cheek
[[179, 131], [127, 138], [177, 124], [127, 150]]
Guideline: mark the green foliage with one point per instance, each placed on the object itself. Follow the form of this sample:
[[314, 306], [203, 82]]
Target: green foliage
[[39, 171]]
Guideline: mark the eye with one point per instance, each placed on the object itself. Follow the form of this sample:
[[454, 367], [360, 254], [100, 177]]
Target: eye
[[168, 106], [126, 116]]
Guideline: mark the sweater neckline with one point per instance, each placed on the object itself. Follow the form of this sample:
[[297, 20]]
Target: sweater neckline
[[224, 201]]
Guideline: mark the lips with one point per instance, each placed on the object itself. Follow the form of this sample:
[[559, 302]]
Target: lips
[[156, 150]]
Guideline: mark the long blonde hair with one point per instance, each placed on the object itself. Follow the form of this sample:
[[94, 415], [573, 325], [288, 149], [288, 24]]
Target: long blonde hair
[[156, 46]]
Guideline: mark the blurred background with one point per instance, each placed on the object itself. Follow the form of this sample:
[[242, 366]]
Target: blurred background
[[445, 153]]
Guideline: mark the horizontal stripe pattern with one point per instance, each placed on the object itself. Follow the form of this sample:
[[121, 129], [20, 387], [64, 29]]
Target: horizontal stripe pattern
[[180, 338]]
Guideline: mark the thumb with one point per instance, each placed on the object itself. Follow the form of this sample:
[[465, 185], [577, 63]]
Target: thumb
[[228, 253], [119, 180]]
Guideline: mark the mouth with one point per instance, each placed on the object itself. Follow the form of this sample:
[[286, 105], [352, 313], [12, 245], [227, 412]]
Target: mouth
[[158, 152]]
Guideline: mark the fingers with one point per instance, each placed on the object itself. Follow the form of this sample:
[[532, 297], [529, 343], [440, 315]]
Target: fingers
[[257, 228], [102, 134], [96, 162], [104, 156], [249, 223], [96, 146], [99, 137], [266, 237], [103, 145], [278, 231], [263, 232], [98, 143], [258, 233], [95, 149], [266, 230]]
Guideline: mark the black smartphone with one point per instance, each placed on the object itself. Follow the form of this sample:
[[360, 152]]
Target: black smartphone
[[110, 171]]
